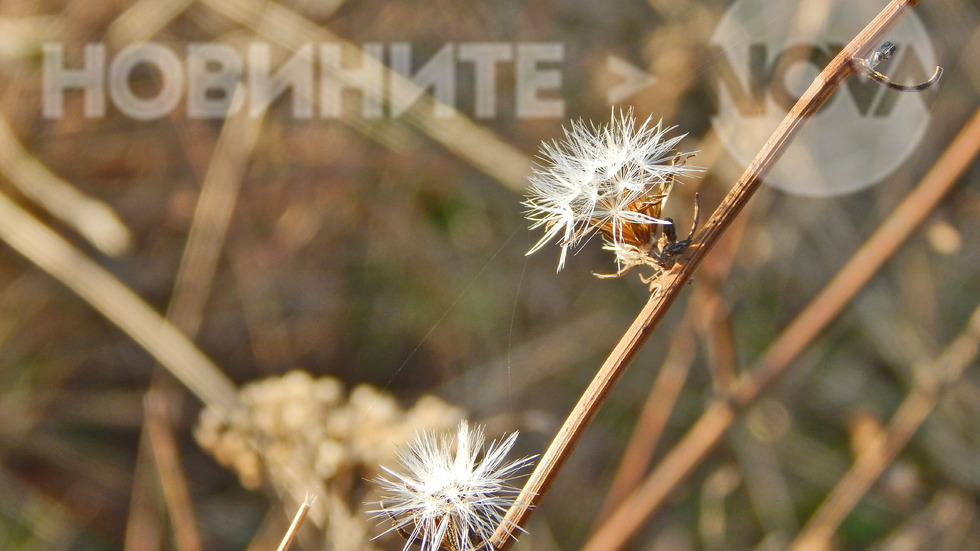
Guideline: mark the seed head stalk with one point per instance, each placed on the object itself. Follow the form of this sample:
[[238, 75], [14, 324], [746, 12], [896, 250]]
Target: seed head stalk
[[673, 281]]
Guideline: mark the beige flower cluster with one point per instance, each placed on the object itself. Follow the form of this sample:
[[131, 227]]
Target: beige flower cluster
[[295, 431]]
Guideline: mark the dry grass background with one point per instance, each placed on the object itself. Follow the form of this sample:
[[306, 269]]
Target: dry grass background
[[390, 252]]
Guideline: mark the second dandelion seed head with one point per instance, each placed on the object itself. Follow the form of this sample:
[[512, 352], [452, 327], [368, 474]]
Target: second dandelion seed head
[[609, 179], [450, 492]]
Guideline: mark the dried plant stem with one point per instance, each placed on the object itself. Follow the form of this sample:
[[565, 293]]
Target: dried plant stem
[[91, 218], [702, 309], [673, 282], [297, 521], [172, 481], [117, 303], [209, 228], [825, 306], [866, 260], [457, 133], [914, 409], [657, 409], [212, 218]]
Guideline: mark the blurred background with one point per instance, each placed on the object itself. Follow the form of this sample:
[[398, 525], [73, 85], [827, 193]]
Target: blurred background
[[380, 259]]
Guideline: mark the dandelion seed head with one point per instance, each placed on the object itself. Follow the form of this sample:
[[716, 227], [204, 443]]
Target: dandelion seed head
[[610, 179], [450, 492]]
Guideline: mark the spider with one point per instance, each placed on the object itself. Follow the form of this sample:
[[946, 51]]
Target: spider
[[642, 243], [662, 251]]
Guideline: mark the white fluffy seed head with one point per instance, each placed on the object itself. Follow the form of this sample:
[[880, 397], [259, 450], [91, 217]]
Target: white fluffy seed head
[[450, 493], [612, 179]]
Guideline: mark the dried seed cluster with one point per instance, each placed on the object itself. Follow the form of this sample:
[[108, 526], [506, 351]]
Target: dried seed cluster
[[296, 428]]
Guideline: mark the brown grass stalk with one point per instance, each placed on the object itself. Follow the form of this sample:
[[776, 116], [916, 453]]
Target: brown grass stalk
[[209, 228], [930, 383], [304, 508], [720, 415], [703, 309], [119, 304], [91, 218], [173, 483]]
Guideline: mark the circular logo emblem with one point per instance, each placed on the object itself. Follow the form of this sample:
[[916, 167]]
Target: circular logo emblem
[[768, 53]]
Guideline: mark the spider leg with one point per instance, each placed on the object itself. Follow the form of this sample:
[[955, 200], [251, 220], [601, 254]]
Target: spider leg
[[397, 527], [670, 230], [672, 247], [697, 216], [622, 271]]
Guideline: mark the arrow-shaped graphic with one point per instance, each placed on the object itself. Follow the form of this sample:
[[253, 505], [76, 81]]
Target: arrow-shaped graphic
[[633, 78]]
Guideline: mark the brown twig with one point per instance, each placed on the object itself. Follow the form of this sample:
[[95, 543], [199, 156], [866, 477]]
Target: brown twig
[[474, 144], [297, 521], [118, 303], [866, 260], [873, 460], [166, 457], [719, 415], [209, 228], [91, 218], [703, 308]]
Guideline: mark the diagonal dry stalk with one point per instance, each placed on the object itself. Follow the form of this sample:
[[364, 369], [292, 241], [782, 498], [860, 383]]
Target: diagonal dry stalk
[[674, 281], [117, 303], [701, 310], [865, 262], [91, 218], [930, 384], [297, 521], [471, 142], [173, 481], [208, 231]]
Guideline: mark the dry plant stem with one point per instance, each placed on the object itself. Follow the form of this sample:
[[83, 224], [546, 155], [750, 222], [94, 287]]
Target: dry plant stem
[[457, 133], [297, 521], [673, 282], [92, 219], [117, 303], [142, 520], [716, 328], [656, 410], [172, 481], [706, 432], [702, 309], [914, 409], [212, 217], [866, 260]]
